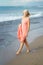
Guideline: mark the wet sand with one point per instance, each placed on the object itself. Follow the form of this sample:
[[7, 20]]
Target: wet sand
[[35, 57]]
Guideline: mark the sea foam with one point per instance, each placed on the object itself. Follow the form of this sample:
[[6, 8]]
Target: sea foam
[[9, 18]]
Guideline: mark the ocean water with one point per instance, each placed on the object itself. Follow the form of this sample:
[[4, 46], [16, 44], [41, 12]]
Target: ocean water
[[10, 17], [8, 13]]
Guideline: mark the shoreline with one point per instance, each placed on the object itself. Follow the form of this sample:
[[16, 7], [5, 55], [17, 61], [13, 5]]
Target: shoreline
[[35, 57]]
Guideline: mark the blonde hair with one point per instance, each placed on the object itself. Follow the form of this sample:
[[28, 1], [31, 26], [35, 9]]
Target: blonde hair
[[26, 12]]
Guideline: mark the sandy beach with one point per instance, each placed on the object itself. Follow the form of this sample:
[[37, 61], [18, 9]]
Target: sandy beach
[[35, 57]]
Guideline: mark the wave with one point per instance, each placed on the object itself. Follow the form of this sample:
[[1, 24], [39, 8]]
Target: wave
[[36, 15], [9, 18]]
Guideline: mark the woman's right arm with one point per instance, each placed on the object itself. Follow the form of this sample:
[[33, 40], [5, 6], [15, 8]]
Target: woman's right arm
[[28, 24]]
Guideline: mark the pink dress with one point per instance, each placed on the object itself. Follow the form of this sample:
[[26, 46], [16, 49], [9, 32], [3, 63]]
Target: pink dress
[[23, 30]]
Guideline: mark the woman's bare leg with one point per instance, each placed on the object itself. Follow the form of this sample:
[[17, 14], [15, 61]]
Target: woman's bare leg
[[21, 46], [27, 46]]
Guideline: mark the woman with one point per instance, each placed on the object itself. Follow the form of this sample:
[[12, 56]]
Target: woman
[[23, 30]]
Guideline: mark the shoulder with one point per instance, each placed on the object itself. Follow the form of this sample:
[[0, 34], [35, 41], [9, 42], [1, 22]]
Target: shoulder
[[28, 19]]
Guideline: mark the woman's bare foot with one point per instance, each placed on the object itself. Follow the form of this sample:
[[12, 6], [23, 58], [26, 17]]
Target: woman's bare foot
[[28, 51], [18, 52]]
